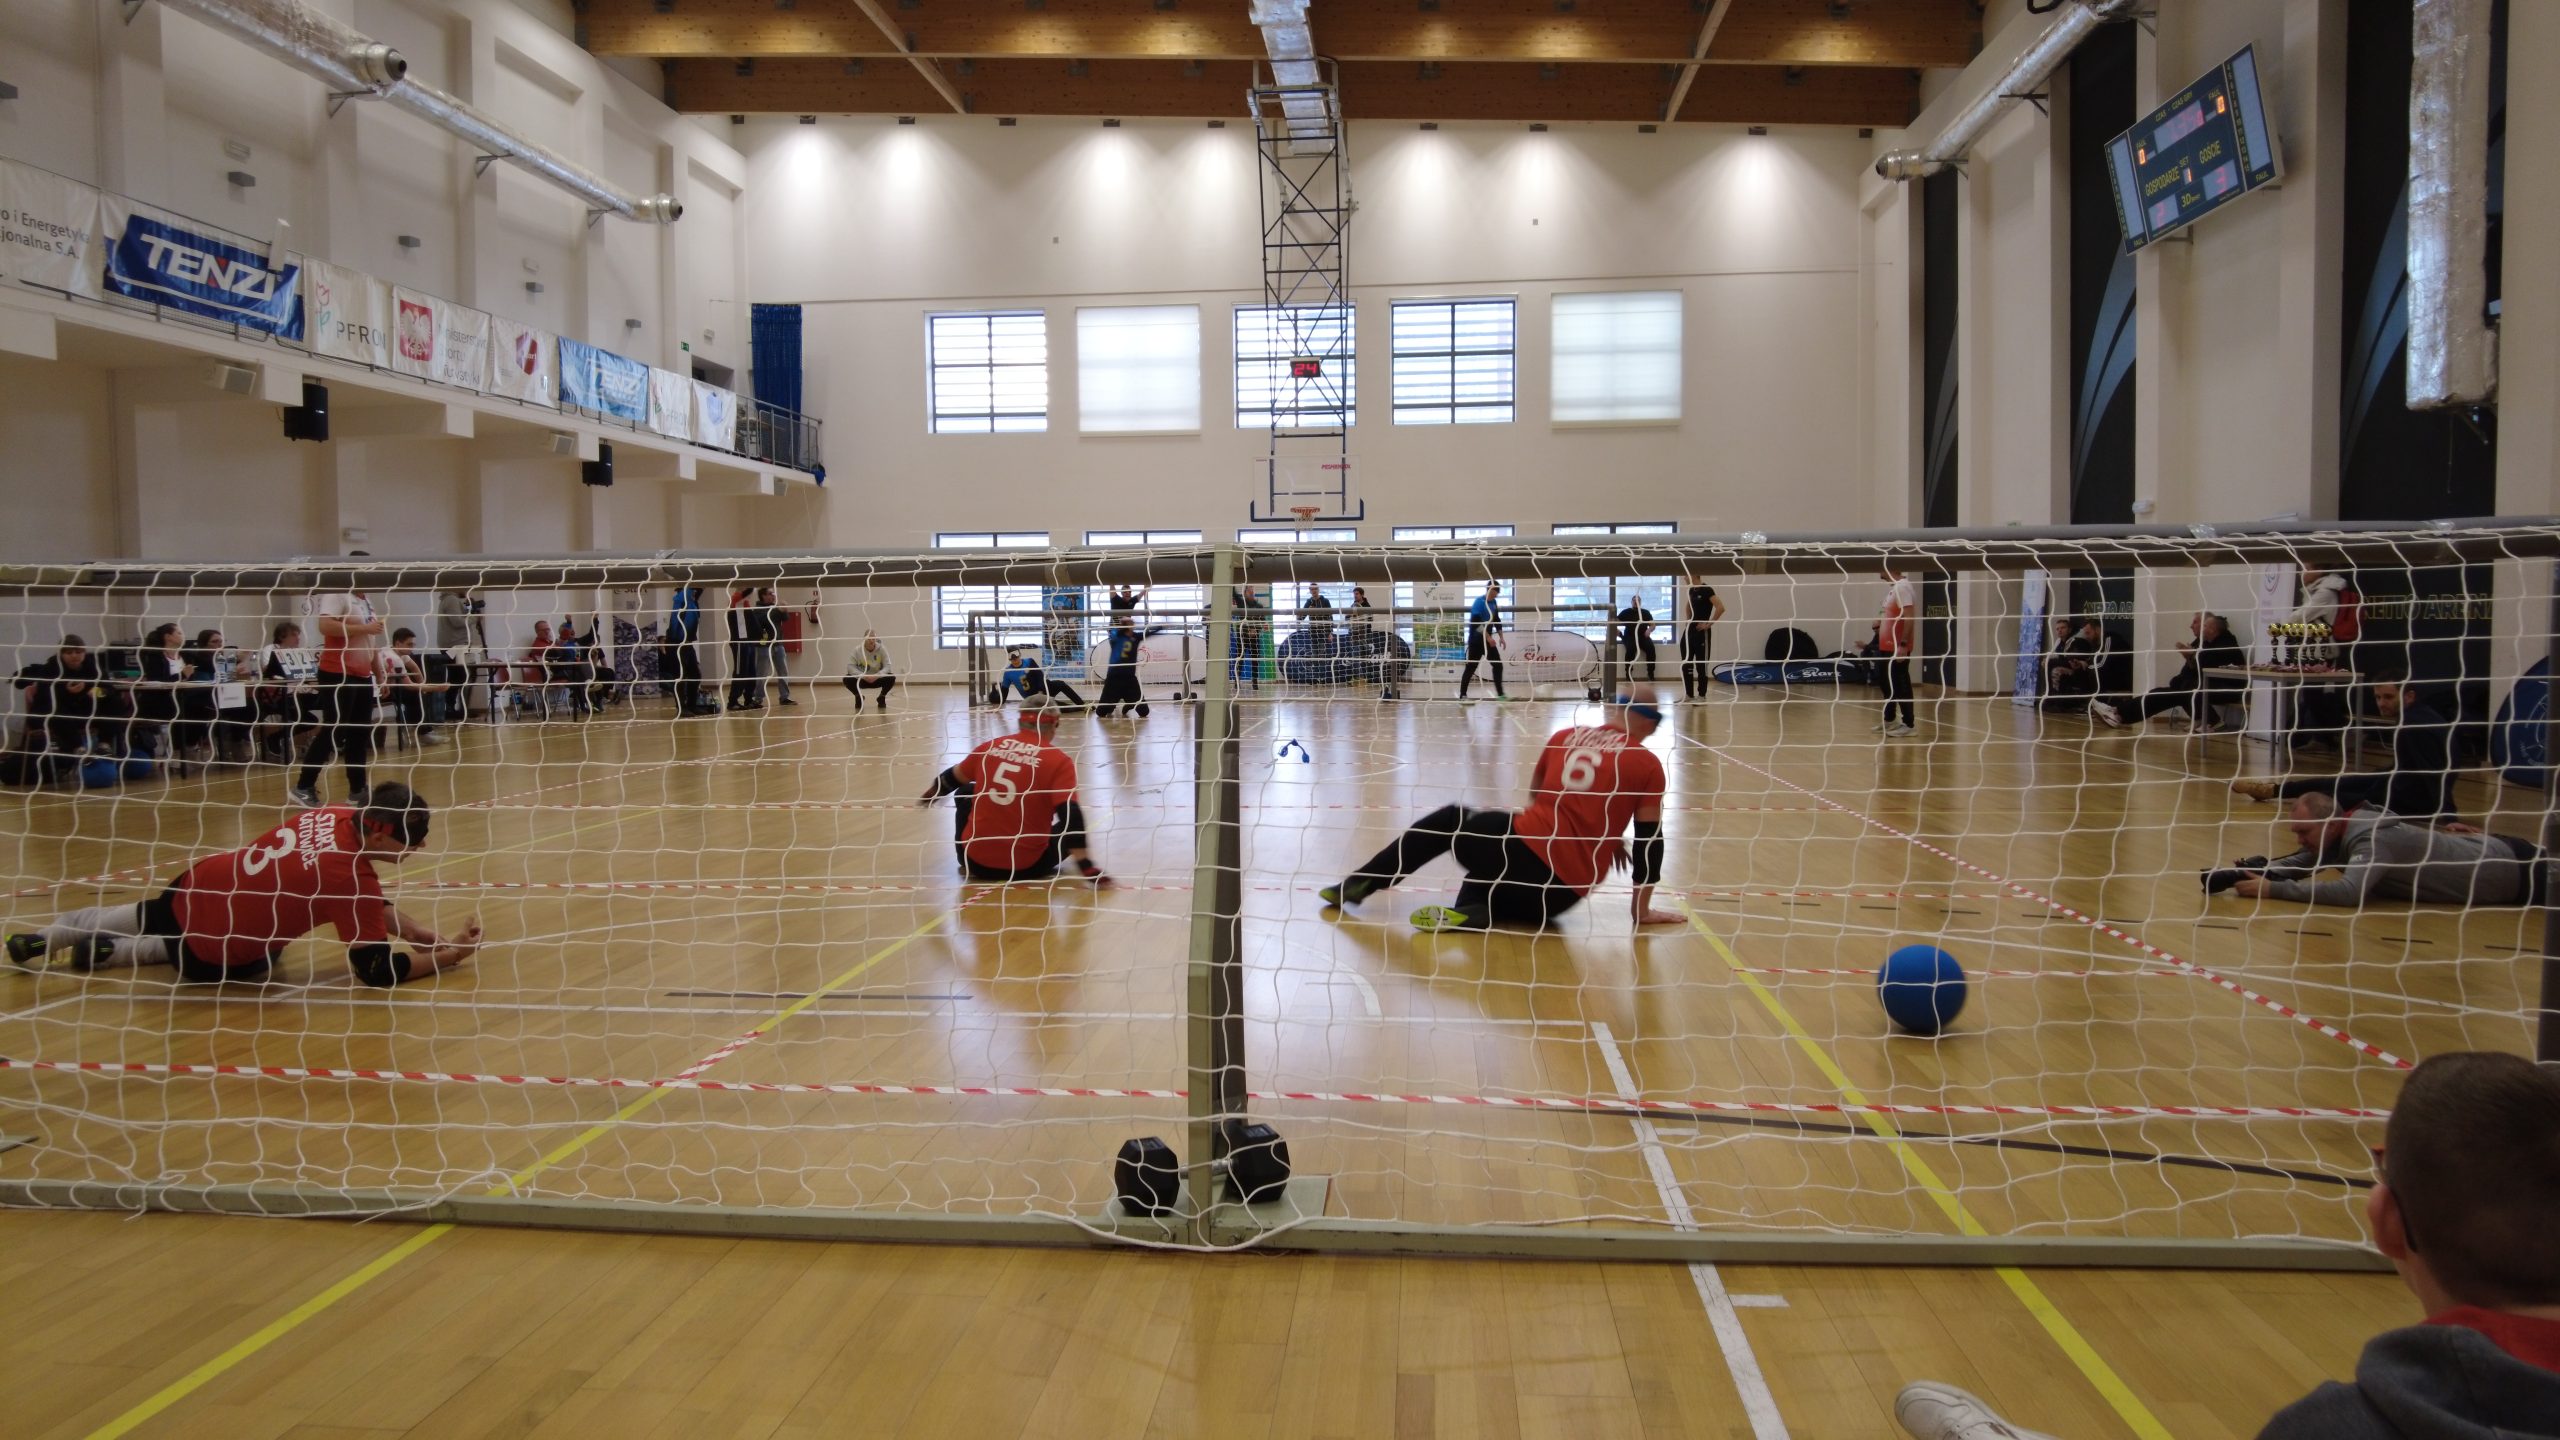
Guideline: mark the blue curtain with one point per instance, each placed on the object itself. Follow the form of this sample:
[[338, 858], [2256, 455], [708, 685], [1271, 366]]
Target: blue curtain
[[775, 357]]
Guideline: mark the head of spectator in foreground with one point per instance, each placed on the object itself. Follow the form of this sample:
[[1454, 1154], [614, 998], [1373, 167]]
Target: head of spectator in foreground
[[208, 640], [2470, 1183], [75, 651], [404, 640], [2316, 822], [2391, 695], [166, 637], [1637, 710], [1040, 717], [870, 641], [393, 821], [542, 632], [287, 635]]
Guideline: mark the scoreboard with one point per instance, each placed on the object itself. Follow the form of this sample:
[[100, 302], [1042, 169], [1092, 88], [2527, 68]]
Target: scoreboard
[[2211, 143]]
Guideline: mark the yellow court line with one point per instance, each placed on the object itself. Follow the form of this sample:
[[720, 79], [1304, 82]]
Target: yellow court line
[[291, 1320], [2120, 1396]]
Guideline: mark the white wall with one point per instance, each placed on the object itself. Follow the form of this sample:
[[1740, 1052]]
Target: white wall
[[873, 225]]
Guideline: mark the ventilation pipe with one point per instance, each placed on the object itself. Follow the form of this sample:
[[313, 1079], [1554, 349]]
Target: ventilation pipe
[[2035, 65], [2453, 352], [350, 64]]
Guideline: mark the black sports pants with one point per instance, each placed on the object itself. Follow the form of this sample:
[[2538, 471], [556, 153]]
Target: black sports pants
[[1506, 883]]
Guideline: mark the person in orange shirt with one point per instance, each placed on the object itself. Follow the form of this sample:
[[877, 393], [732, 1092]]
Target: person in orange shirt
[[1016, 797], [1592, 783], [1898, 635], [350, 659]]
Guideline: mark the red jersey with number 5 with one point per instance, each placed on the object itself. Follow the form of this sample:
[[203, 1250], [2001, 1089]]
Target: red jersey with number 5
[[1019, 785], [1590, 781], [242, 906]]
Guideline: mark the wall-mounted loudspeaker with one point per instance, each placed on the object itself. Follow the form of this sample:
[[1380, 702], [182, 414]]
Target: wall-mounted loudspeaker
[[232, 379], [563, 444], [310, 419], [598, 471]]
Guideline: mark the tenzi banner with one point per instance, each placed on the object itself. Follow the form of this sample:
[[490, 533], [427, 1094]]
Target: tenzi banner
[[162, 263], [48, 230]]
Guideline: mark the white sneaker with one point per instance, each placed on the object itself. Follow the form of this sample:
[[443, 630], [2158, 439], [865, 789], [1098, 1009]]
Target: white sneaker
[[1928, 1410], [2107, 714], [1882, 727], [1896, 732]]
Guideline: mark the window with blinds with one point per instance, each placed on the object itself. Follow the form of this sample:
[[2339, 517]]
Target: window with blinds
[[989, 373], [1617, 358], [1177, 604], [1604, 596], [1294, 367], [1454, 361], [1407, 595], [953, 604], [1138, 369]]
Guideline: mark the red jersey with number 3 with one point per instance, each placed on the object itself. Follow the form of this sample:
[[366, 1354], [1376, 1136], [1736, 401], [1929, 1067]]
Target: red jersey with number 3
[[1590, 781], [1019, 785], [242, 906]]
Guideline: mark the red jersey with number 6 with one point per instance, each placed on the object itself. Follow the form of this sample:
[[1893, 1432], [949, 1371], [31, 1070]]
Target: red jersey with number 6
[[1590, 781], [1019, 784], [242, 906]]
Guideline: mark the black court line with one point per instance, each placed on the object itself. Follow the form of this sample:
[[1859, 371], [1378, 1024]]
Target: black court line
[[1996, 1142], [2323, 934], [2407, 939], [2508, 949], [854, 999], [2217, 924]]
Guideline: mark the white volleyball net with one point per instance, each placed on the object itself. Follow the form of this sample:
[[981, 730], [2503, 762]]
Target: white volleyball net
[[733, 964]]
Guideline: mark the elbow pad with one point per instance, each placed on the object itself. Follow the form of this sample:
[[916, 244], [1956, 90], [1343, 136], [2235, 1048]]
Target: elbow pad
[[378, 965], [1648, 852], [946, 782]]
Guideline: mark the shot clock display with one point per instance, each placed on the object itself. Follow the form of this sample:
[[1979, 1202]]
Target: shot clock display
[[2211, 142]]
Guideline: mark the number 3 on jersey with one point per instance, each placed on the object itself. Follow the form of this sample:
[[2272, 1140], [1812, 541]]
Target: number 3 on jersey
[[259, 857], [1581, 767]]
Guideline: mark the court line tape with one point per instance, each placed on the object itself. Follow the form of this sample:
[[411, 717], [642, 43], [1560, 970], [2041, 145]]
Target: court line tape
[[2313, 1022], [1741, 1361], [293, 1319], [688, 1080], [2092, 1366]]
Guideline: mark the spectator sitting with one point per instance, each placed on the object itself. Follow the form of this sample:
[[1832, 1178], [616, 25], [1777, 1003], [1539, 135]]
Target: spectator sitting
[[287, 708], [62, 699], [2382, 856], [2071, 670], [2469, 1180], [155, 695], [2418, 784], [869, 669], [419, 701], [2212, 648], [200, 701], [537, 666]]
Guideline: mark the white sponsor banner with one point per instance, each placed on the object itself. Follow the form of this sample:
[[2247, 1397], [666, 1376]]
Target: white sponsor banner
[[715, 416], [48, 230], [671, 404], [417, 333], [462, 347], [524, 363], [345, 313]]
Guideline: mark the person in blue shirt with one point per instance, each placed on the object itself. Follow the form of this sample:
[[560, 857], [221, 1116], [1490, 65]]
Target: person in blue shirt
[[1484, 630], [684, 627], [1024, 675]]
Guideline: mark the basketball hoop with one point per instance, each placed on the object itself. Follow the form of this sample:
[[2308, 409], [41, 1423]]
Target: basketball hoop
[[1306, 513]]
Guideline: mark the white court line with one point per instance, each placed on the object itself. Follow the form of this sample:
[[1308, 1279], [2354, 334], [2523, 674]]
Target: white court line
[[1748, 1382]]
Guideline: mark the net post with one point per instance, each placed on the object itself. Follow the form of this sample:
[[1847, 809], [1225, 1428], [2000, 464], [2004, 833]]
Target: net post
[[1213, 1013], [2546, 1041]]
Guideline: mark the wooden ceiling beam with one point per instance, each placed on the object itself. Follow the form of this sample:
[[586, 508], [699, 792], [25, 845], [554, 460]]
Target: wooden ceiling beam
[[1372, 90], [1916, 34], [926, 67]]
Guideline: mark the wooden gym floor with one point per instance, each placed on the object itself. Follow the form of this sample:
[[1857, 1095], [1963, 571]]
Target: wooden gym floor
[[756, 902]]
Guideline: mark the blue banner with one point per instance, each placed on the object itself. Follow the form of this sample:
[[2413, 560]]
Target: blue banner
[[162, 264], [599, 380]]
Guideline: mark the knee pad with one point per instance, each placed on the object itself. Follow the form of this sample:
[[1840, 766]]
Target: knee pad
[[379, 965]]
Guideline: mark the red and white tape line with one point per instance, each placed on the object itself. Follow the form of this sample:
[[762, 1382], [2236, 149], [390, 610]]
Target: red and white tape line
[[685, 1080], [2317, 1025]]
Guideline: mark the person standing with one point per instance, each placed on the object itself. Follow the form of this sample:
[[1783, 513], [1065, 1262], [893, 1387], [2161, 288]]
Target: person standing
[[1635, 637], [350, 651], [1697, 635], [869, 669], [746, 689], [684, 631], [1895, 635], [769, 610], [1484, 639]]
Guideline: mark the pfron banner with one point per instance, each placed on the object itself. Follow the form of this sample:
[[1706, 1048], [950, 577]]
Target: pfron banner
[[715, 416], [524, 363], [671, 404], [48, 230], [346, 314], [160, 262]]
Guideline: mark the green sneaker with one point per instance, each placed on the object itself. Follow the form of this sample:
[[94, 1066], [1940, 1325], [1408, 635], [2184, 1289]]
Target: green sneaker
[[1441, 917], [26, 948], [1349, 892]]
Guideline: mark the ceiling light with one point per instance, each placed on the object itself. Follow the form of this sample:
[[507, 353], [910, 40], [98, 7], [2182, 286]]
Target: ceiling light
[[1217, 124], [1647, 129], [1758, 130], [1005, 120], [1538, 127], [808, 119], [1430, 124], [906, 119], [1110, 124]]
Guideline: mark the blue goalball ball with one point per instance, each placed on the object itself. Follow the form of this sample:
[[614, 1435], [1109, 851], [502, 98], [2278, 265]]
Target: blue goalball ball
[[1922, 988]]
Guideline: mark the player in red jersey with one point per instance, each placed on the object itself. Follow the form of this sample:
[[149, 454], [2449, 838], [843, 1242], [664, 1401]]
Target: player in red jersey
[[1591, 784], [1016, 796], [229, 914]]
